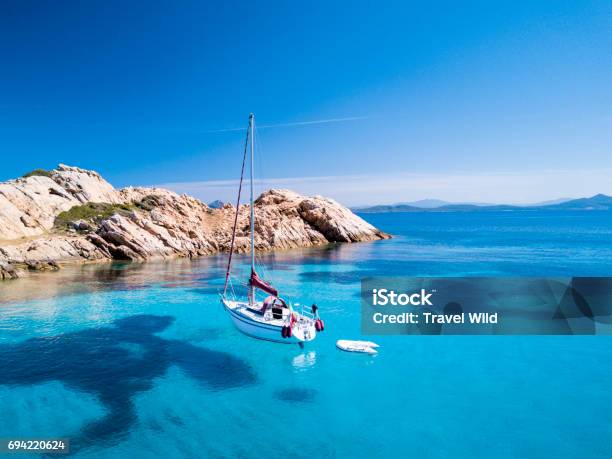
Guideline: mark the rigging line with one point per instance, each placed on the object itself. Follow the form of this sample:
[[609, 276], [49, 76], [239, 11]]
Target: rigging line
[[260, 189], [229, 261], [297, 123], [255, 141], [256, 173]]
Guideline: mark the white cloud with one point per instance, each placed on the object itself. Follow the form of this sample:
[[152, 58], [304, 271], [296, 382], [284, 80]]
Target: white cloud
[[352, 190]]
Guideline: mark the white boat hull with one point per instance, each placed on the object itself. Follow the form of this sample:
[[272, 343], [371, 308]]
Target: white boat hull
[[268, 329], [365, 347]]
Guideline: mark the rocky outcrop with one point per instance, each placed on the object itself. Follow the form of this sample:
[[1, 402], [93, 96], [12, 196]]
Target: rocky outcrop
[[152, 222], [7, 271], [28, 206]]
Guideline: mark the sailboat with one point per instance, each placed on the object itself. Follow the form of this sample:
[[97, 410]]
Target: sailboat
[[272, 318]]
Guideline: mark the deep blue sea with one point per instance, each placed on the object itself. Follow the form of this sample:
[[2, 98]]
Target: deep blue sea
[[140, 360]]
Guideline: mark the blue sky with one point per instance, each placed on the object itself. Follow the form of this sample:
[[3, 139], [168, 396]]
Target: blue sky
[[453, 100]]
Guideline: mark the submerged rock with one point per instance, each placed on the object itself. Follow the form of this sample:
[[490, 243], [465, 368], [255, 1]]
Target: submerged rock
[[296, 394], [138, 223]]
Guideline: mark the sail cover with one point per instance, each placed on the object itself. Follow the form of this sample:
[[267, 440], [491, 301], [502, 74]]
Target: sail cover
[[256, 282]]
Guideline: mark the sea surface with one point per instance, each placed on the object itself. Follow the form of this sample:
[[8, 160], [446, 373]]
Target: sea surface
[[140, 360]]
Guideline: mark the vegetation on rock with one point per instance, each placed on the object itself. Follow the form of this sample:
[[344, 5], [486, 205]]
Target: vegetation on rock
[[149, 202], [90, 212], [38, 172]]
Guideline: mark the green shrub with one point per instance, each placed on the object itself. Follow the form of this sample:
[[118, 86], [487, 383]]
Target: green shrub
[[91, 212], [149, 202], [38, 172]]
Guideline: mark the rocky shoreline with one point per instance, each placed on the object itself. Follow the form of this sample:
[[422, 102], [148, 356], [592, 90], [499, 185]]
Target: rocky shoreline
[[73, 215]]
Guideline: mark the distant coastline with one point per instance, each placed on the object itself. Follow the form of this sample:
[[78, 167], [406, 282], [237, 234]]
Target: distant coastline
[[597, 202]]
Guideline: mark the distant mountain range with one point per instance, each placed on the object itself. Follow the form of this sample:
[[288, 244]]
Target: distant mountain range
[[435, 203], [597, 202]]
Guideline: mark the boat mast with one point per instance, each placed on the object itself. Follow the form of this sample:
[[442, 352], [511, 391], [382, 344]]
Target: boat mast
[[232, 244], [252, 126]]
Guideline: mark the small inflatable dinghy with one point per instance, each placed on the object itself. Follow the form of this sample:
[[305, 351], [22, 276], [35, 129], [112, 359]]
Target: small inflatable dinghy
[[366, 347]]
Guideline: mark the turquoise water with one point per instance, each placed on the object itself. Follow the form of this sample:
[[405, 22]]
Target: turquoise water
[[140, 360]]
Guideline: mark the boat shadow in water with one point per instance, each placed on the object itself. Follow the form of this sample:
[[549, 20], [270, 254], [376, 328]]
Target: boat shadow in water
[[115, 363]]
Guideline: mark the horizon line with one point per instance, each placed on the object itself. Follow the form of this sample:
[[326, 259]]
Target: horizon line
[[512, 188]]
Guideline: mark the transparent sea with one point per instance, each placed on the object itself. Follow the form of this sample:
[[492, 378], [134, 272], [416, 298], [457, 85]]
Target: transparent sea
[[140, 360]]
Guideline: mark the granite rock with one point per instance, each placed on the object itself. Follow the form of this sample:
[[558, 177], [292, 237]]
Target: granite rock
[[158, 224]]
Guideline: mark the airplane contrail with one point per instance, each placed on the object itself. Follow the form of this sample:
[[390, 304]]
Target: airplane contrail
[[297, 123]]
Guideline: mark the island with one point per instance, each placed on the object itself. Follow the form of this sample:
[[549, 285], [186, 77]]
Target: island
[[73, 215]]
